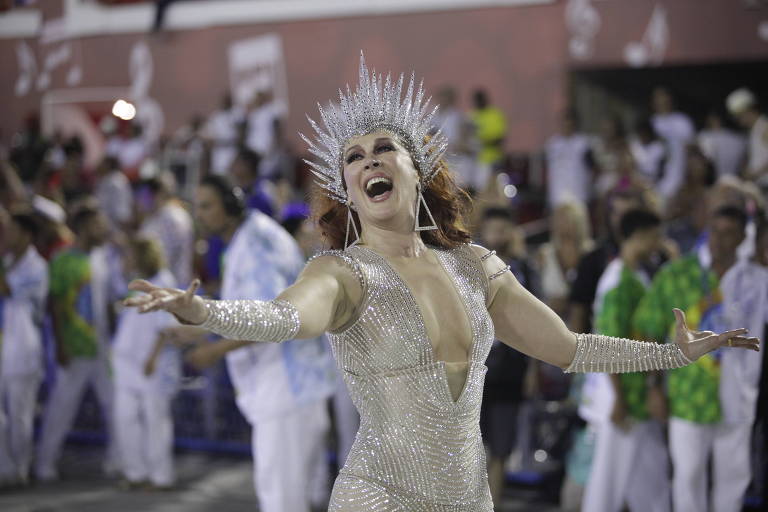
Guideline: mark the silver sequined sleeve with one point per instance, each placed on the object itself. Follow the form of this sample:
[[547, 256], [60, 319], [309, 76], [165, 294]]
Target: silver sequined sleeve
[[598, 353], [252, 320]]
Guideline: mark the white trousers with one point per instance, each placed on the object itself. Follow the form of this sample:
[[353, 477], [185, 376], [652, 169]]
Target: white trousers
[[287, 450], [18, 397], [144, 428], [62, 406], [690, 445], [629, 467]]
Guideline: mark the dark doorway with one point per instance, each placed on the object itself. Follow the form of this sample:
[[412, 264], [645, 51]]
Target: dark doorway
[[697, 88]]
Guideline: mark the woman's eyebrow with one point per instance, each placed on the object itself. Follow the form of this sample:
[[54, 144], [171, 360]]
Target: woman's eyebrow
[[383, 139], [356, 147]]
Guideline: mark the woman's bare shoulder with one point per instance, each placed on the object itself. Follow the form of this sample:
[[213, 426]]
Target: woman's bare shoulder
[[340, 265]]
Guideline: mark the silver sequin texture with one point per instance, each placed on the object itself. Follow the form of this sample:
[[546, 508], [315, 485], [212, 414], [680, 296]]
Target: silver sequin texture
[[416, 449], [598, 353], [374, 106], [253, 320]]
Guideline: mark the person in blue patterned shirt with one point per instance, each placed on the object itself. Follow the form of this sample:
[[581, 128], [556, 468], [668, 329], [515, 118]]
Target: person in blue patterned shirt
[[281, 388]]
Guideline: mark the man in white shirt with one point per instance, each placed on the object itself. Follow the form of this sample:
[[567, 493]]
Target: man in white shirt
[[648, 151], [677, 131], [147, 374], [568, 165], [261, 124], [114, 194], [745, 302], [23, 290], [168, 222], [80, 293], [463, 145], [743, 105], [725, 148], [223, 130], [630, 459], [133, 150], [449, 119], [281, 388]]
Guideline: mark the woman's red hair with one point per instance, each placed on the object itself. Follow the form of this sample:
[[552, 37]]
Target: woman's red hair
[[448, 203]]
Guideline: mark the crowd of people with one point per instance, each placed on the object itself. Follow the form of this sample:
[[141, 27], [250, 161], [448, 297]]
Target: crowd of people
[[639, 220]]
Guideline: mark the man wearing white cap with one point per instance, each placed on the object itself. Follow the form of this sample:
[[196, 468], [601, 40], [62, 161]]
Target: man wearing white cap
[[742, 104]]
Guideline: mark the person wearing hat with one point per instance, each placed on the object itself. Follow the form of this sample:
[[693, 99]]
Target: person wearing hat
[[743, 106], [411, 320]]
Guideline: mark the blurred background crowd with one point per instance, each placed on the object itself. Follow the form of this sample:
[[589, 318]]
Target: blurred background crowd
[[638, 191]]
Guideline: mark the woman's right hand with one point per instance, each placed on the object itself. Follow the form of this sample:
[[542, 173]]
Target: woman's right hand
[[185, 305]]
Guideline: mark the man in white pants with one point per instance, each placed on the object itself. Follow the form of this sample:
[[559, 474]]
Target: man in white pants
[[147, 375], [745, 302], [712, 401], [23, 290], [80, 297], [630, 463], [281, 388]]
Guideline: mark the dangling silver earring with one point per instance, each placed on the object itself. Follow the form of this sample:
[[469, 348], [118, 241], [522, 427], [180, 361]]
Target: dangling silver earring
[[419, 201], [350, 220]]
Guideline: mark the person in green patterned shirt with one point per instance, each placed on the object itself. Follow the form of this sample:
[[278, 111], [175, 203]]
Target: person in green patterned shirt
[[692, 284], [630, 460], [79, 297]]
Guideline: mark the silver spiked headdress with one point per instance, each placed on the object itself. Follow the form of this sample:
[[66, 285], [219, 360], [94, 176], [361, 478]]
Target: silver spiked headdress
[[372, 107]]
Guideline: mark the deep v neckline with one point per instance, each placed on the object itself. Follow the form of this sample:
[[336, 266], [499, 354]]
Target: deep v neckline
[[426, 341]]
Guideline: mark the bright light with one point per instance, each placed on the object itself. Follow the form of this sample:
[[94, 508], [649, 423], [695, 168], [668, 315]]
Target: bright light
[[124, 110], [510, 191], [540, 455]]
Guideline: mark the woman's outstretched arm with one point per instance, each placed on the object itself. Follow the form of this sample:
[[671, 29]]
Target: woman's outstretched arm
[[321, 299], [528, 325]]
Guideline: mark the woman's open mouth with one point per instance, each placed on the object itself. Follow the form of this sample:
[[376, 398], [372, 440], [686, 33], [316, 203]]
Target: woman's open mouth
[[378, 188]]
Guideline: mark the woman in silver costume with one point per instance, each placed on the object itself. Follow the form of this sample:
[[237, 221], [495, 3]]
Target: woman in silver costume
[[411, 308]]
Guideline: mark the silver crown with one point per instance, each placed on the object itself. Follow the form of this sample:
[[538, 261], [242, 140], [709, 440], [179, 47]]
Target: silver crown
[[374, 107]]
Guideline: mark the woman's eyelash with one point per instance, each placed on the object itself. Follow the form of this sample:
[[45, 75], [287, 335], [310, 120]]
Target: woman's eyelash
[[355, 156]]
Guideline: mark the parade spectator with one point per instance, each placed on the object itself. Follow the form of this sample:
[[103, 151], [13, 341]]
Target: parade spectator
[[23, 293], [569, 164], [80, 297]]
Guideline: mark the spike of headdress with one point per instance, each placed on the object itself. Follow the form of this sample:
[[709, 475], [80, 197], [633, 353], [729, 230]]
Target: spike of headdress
[[374, 106]]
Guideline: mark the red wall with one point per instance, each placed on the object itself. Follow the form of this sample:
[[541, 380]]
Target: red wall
[[517, 53], [520, 54], [699, 30]]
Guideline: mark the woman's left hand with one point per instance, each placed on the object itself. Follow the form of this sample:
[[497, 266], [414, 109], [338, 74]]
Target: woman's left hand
[[695, 344]]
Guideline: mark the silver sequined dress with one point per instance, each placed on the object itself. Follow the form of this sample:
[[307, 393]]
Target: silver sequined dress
[[416, 449]]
